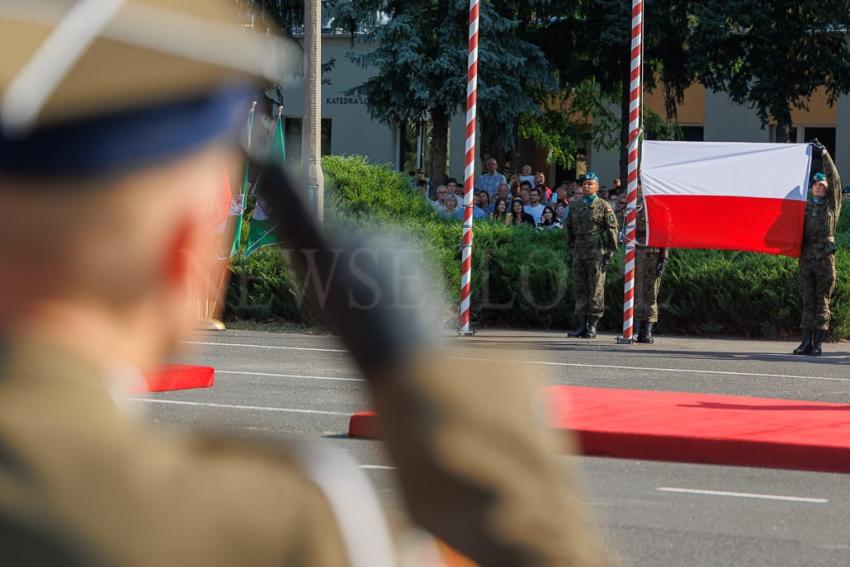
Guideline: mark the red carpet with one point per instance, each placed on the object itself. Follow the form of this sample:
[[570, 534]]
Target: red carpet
[[181, 377], [695, 428]]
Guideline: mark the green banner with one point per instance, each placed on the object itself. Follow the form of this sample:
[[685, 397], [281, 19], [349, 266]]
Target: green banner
[[237, 232], [261, 232]]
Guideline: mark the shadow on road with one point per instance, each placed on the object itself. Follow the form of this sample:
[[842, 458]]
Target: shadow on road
[[603, 346]]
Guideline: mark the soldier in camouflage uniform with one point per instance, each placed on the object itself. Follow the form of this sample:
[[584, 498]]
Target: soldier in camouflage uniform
[[591, 239], [650, 264], [816, 272]]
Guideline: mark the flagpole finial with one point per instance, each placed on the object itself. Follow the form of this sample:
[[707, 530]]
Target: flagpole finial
[[253, 104], [279, 110]]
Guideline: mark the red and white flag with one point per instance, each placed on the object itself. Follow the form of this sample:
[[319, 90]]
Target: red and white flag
[[724, 195]]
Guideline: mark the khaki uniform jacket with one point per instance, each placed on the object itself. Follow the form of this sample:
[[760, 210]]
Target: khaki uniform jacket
[[477, 464], [130, 497], [591, 229], [821, 219]]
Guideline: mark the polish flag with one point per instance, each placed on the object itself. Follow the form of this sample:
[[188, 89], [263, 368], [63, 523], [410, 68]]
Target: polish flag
[[726, 196]]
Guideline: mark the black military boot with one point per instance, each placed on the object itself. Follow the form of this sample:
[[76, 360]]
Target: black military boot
[[647, 328], [580, 332], [805, 346], [640, 332], [817, 340], [591, 327]]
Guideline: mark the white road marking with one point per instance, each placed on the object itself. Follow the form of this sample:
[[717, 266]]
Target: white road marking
[[267, 347], [834, 546], [377, 468], [742, 495], [231, 406], [559, 364], [673, 370], [305, 376]]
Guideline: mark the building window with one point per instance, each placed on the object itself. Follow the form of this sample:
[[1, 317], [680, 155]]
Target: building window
[[292, 137], [693, 133], [825, 136], [679, 132], [414, 146]]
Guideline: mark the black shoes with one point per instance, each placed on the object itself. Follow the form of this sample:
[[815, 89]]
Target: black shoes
[[585, 330], [812, 342], [644, 332], [580, 332], [805, 346], [817, 340]]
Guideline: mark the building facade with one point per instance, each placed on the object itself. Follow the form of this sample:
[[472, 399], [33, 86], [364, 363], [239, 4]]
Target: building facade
[[347, 127], [703, 116]]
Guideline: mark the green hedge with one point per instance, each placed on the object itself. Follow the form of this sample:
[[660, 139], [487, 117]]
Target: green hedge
[[521, 277]]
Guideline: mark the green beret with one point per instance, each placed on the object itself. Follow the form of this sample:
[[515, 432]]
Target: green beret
[[818, 177]]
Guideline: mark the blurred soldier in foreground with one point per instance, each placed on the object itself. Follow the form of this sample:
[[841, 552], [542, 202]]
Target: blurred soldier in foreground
[[591, 240], [816, 272], [650, 263], [113, 141]]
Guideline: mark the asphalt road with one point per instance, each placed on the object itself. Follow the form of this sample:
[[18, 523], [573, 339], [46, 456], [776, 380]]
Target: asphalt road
[[297, 386]]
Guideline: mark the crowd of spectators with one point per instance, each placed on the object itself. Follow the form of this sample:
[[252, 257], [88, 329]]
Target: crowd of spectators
[[525, 198]]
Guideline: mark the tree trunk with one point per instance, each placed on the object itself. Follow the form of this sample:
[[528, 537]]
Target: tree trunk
[[490, 145], [624, 129], [783, 130], [439, 146]]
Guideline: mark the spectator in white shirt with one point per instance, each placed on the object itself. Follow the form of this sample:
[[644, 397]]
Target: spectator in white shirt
[[527, 175], [534, 207]]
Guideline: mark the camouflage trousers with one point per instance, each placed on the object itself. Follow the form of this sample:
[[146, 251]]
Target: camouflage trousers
[[647, 284], [589, 287], [816, 280]]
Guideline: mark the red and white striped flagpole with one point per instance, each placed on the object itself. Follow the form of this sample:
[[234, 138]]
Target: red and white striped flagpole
[[635, 89], [469, 170]]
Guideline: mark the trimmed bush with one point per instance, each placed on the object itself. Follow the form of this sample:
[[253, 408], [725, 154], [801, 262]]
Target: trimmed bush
[[521, 276]]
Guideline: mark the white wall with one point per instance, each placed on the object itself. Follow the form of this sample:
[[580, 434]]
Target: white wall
[[606, 164], [457, 147], [726, 121], [352, 130]]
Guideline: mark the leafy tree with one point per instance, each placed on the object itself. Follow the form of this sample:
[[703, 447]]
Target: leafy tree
[[420, 59], [568, 119], [592, 42], [773, 54]]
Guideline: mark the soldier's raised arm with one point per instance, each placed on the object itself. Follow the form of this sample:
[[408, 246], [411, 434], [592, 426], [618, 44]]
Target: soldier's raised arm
[[834, 179], [478, 465]]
